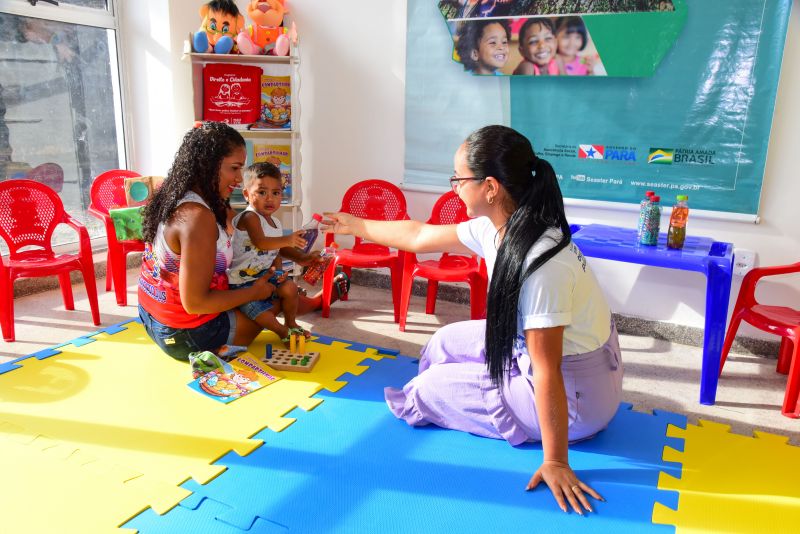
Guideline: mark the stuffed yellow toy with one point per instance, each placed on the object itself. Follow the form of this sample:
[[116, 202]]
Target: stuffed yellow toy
[[222, 21]]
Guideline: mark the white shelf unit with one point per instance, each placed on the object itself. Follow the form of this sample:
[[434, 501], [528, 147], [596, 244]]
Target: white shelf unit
[[290, 213]]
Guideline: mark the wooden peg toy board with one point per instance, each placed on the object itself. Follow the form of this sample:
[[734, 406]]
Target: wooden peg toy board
[[282, 360]]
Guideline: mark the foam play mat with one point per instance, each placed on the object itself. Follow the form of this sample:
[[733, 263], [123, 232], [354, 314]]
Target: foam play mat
[[102, 434]]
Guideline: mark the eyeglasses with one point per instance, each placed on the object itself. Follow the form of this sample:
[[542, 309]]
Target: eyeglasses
[[455, 180]]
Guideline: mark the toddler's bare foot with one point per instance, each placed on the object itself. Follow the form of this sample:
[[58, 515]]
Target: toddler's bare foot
[[297, 329]]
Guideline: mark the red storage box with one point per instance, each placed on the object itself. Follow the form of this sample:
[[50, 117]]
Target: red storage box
[[231, 93]]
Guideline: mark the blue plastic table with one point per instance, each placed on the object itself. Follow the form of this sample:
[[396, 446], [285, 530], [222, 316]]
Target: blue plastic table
[[712, 258]]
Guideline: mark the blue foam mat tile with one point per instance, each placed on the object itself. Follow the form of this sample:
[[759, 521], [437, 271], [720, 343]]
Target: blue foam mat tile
[[200, 520], [350, 466], [119, 327], [11, 365], [77, 342], [192, 501], [45, 353], [39, 355], [357, 347], [83, 340]]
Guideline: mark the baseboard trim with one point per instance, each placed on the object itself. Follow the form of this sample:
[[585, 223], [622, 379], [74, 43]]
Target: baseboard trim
[[458, 293], [30, 286], [634, 326]]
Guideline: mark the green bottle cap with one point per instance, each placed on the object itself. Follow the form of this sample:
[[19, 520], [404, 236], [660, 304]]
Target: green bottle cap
[[683, 197]]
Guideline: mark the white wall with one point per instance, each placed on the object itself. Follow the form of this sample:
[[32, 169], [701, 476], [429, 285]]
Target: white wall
[[352, 121], [150, 55]]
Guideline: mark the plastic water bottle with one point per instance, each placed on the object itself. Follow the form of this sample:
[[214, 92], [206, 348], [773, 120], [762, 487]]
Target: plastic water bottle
[[311, 231], [652, 222], [643, 207], [677, 223], [315, 271]]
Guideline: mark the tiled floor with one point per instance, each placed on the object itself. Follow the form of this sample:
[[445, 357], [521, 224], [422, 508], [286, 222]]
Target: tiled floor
[[658, 374]]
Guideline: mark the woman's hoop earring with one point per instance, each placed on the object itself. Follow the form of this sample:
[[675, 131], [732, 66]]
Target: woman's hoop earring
[[490, 200]]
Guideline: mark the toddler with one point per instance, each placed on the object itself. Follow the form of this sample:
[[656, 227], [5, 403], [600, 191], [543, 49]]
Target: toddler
[[257, 240], [537, 45], [483, 45], [572, 38]]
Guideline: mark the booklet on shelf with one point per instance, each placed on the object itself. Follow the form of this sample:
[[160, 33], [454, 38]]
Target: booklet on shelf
[[231, 93], [276, 104]]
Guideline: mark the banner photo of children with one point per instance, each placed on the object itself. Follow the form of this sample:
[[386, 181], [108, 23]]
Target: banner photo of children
[[470, 9], [535, 46]]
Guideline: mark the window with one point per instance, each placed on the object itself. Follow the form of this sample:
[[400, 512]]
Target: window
[[60, 106], [95, 4]]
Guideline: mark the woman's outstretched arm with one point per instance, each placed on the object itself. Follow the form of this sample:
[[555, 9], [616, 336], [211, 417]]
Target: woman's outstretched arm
[[413, 236]]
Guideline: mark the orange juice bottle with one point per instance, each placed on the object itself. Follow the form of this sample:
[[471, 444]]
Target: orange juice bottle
[[677, 223]]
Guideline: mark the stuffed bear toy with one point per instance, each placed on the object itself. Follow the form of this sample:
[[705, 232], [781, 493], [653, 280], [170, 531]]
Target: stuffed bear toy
[[266, 35], [222, 21]]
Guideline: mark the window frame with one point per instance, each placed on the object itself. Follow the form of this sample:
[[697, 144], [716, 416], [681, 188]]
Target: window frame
[[107, 19]]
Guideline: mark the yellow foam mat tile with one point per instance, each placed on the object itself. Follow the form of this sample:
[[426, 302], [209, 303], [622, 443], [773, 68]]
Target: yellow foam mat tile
[[121, 400], [54, 488], [732, 483]]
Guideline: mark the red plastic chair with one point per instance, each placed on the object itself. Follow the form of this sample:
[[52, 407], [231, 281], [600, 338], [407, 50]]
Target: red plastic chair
[[780, 320], [449, 209], [108, 191], [49, 174], [29, 213], [377, 200]]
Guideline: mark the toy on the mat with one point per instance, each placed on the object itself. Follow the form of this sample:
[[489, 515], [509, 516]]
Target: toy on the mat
[[294, 359], [221, 23], [204, 362]]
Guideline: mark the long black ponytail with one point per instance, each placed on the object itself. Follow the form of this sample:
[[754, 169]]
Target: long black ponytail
[[536, 203]]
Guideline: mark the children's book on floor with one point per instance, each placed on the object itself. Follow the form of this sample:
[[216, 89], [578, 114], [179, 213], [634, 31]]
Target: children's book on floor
[[276, 103], [281, 157], [228, 381]]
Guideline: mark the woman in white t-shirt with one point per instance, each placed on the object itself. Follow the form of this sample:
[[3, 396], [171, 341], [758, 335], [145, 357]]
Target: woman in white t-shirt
[[545, 364]]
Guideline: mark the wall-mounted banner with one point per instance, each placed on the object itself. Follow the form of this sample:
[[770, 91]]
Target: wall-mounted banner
[[699, 124], [562, 38]]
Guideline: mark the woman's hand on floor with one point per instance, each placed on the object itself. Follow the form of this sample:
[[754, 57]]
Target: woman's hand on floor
[[565, 486]]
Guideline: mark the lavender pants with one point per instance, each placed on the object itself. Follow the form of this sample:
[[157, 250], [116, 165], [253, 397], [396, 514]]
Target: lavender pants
[[453, 389]]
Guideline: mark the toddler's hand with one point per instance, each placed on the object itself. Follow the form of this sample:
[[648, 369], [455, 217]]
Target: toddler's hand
[[263, 287], [297, 240], [316, 258]]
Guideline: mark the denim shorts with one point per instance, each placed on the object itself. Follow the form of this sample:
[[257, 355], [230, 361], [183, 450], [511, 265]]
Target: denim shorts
[[179, 342], [254, 308]]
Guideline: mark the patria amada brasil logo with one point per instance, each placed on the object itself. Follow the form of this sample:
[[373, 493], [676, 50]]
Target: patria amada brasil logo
[[682, 156], [661, 156]]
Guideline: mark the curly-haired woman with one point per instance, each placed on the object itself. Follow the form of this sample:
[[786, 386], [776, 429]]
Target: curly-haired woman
[[184, 300]]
